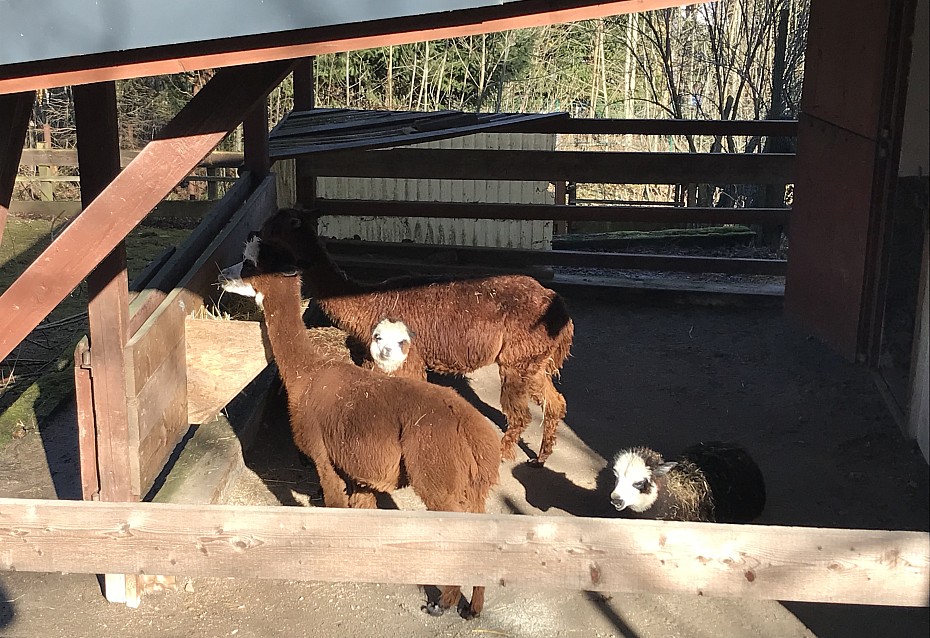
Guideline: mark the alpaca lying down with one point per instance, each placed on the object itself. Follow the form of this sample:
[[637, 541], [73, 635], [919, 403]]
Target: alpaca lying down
[[377, 430], [715, 481]]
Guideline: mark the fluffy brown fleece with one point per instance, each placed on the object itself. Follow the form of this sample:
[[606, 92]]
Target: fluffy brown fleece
[[375, 429], [461, 324]]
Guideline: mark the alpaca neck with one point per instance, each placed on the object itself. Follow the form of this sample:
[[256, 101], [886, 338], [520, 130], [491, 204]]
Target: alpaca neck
[[290, 345], [324, 278]]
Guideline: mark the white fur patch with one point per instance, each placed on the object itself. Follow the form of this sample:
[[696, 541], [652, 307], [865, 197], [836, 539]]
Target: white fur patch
[[633, 475], [230, 280], [250, 251], [390, 344]]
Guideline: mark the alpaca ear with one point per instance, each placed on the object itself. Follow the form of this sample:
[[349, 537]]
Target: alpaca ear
[[664, 468]]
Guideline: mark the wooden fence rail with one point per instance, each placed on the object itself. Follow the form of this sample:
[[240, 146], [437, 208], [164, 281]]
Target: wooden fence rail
[[870, 567], [573, 166]]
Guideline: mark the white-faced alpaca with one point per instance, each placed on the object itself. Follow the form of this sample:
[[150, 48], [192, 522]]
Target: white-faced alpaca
[[391, 345], [375, 429], [714, 481], [461, 324]]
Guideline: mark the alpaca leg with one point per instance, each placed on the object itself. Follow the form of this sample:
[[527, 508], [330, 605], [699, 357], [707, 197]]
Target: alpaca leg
[[515, 406], [362, 498], [332, 485], [554, 410], [449, 596], [477, 603]]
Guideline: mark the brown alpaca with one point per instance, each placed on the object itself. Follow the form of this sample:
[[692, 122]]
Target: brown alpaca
[[375, 429], [460, 325]]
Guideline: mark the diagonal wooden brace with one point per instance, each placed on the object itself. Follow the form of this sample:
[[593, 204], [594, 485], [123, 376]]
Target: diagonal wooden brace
[[210, 115]]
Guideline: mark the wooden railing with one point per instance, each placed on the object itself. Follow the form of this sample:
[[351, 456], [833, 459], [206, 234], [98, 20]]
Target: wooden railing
[[565, 168], [46, 162]]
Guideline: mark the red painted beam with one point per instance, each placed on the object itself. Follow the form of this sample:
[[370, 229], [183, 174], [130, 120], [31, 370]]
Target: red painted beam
[[15, 110], [309, 42], [218, 108]]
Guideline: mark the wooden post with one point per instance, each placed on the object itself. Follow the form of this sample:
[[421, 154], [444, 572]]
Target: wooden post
[[107, 312], [212, 184], [561, 198], [304, 100], [255, 142], [15, 110]]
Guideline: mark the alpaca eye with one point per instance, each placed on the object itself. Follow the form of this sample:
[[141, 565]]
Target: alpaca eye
[[377, 337], [642, 486]]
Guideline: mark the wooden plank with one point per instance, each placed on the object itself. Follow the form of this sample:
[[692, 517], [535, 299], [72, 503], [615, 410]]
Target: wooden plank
[[15, 110], [107, 293], [87, 432], [585, 126], [347, 251], [67, 157], [121, 65], [843, 84], [62, 210], [607, 212], [255, 141], [829, 233], [184, 142], [576, 166], [870, 567], [160, 416], [223, 357]]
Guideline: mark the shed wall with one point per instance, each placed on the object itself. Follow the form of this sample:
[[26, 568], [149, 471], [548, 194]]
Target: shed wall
[[464, 232]]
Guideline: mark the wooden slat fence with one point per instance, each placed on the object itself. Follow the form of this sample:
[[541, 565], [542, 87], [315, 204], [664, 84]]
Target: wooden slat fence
[[327, 171], [868, 567]]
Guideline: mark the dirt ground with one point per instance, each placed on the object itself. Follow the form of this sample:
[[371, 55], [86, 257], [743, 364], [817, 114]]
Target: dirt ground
[[659, 374]]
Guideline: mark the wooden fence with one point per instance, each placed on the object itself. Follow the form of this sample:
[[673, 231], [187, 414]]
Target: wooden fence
[[867, 567], [46, 162], [563, 168]]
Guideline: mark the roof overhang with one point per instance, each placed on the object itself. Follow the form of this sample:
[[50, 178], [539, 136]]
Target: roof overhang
[[66, 42]]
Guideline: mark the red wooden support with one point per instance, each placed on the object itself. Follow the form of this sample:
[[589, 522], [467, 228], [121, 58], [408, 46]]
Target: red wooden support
[[255, 142], [304, 89], [107, 292], [15, 110], [304, 100], [218, 108]]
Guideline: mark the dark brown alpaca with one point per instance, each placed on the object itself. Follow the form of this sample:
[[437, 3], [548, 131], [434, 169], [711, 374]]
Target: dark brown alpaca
[[460, 325], [375, 429]]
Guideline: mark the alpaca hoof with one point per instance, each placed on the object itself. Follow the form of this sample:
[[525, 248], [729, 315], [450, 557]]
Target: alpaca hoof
[[536, 462], [434, 609], [470, 614]]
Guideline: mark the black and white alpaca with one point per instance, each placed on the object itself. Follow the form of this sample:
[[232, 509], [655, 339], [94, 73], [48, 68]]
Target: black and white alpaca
[[715, 481]]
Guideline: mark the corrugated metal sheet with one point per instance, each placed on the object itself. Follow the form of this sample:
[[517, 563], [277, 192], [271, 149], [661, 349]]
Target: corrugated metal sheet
[[462, 232]]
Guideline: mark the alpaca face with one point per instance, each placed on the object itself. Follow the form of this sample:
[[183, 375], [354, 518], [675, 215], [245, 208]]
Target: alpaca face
[[230, 278], [636, 487], [390, 344]]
